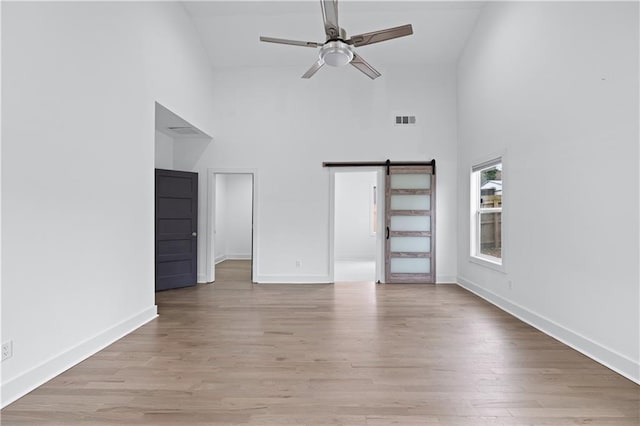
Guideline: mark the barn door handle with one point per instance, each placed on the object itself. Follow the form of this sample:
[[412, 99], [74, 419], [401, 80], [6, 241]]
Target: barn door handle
[[194, 234], [387, 232]]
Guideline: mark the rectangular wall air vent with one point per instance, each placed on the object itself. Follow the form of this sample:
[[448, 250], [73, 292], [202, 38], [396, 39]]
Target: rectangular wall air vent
[[405, 119], [184, 130]]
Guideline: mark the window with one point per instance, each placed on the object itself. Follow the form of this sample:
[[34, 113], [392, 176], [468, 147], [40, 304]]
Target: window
[[486, 209]]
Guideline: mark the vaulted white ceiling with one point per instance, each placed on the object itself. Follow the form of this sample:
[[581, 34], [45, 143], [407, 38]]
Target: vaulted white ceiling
[[230, 30]]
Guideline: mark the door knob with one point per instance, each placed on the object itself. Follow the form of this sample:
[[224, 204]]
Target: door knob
[[194, 234]]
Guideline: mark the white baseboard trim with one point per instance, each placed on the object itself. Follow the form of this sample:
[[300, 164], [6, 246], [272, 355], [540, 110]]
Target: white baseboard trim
[[202, 279], [21, 385], [238, 256], [609, 358], [355, 259], [224, 257], [293, 279], [446, 279]]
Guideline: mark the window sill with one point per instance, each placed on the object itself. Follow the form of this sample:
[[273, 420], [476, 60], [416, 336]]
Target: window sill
[[487, 263]]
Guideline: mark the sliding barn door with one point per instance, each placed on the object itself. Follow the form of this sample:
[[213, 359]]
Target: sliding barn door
[[410, 227]]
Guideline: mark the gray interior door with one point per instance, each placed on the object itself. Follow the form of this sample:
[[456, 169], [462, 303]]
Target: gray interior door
[[176, 229]]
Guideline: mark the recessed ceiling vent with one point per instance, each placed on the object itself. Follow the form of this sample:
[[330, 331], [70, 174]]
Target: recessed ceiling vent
[[184, 130], [405, 119]]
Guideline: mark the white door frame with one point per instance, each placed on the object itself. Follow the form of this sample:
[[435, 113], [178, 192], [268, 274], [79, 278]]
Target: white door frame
[[211, 220], [380, 235]]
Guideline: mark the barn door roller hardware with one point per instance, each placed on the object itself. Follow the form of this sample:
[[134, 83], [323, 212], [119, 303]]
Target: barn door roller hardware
[[386, 164]]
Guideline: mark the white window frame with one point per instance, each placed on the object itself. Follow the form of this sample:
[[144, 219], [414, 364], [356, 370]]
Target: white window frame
[[476, 210]]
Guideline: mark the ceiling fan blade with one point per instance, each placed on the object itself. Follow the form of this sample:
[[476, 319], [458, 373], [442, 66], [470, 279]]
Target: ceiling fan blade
[[382, 35], [292, 42], [363, 66], [314, 68], [330, 18]]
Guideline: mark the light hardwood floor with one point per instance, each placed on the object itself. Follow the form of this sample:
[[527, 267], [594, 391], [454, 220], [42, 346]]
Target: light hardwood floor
[[352, 354]]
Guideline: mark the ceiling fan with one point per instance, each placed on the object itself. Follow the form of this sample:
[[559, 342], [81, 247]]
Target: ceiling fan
[[339, 50]]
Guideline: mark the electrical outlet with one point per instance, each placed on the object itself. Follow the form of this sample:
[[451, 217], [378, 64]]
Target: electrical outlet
[[510, 285], [7, 350], [298, 263]]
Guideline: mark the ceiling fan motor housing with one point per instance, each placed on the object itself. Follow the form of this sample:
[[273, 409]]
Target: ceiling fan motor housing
[[336, 53]]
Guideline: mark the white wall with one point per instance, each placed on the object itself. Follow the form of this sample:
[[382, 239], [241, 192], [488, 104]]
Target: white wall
[[239, 196], [164, 151], [233, 216], [338, 115], [353, 216], [80, 81], [554, 86]]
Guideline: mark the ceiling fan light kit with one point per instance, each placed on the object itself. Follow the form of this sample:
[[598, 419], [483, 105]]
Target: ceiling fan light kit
[[336, 53], [338, 50]]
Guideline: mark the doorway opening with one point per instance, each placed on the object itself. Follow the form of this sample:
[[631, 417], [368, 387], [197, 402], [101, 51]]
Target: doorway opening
[[358, 209], [176, 244], [231, 223]]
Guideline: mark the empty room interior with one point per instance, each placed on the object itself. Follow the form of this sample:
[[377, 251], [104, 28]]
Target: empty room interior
[[320, 212]]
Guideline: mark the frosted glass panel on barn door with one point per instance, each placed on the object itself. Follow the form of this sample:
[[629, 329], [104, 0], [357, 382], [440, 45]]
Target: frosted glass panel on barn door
[[410, 201]]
